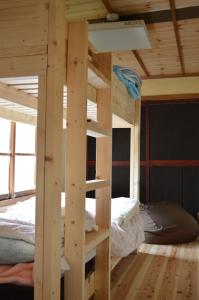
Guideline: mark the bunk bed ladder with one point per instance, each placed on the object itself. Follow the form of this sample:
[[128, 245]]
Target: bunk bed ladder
[[77, 243]]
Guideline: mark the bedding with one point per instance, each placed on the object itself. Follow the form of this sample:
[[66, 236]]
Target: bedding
[[15, 251], [17, 222]]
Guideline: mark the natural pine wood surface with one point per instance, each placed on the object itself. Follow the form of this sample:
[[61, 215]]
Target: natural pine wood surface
[[158, 272]]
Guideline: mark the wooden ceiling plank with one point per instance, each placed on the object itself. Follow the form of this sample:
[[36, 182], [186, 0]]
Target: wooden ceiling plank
[[177, 35], [140, 61]]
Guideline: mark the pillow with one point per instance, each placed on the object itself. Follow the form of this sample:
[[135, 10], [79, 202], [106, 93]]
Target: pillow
[[167, 223], [15, 251]]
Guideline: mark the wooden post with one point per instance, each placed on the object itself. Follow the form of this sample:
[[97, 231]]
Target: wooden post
[[50, 112], [76, 159], [135, 153], [103, 196]]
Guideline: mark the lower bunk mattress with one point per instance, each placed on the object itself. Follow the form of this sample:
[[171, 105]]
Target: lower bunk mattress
[[17, 226]]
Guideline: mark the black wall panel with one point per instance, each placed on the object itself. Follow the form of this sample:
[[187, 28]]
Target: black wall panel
[[121, 152], [190, 196], [121, 144], [165, 184], [120, 182], [143, 184], [174, 131]]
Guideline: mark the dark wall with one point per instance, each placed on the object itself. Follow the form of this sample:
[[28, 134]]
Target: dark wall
[[170, 154], [120, 169]]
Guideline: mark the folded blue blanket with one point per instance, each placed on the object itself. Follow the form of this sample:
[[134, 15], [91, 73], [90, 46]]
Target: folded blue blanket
[[130, 79], [15, 251]]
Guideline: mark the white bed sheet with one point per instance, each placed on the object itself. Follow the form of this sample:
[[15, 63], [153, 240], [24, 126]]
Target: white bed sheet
[[18, 221]]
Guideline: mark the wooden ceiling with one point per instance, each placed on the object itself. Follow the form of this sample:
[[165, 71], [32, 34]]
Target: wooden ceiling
[[173, 27]]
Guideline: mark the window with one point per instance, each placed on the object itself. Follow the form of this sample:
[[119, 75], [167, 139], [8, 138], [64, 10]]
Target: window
[[17, 159]]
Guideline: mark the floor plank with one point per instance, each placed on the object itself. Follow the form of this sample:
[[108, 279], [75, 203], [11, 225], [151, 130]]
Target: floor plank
[[158, 272]]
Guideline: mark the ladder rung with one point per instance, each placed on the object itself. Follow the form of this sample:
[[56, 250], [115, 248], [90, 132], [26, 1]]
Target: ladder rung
[[92, 185], [94, 238], [93, 129]]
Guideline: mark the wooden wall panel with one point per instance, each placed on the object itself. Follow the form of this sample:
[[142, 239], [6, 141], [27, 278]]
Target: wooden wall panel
[[122, 105], [189, 35], [23, 27], [79, 10]]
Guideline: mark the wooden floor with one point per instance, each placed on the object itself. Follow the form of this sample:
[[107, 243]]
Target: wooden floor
[[158, 272]]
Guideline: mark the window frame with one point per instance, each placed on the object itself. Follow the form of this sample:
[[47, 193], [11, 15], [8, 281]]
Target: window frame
[[12, 154]]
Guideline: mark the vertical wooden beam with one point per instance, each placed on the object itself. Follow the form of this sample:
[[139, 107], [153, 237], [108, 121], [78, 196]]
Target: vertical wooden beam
[[50, 112], [40, 191], [135, 154], [76, 159], [12, 158], [103, 196]]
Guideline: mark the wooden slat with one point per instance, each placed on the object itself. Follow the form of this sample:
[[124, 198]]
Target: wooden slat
[[48, 221], [94, 130], [20, 97], [93, 239], [16, 116], [92, 185], [76, 159]]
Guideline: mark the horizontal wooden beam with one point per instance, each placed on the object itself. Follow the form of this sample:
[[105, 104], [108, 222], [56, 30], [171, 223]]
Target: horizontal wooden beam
[[185, 13], [170, 163], [16, 116], [19, 97], [94, 238], [170, 86], [115, 163], [23, 66], [92, 185], [180, 98], [95, 130], [175, 75]]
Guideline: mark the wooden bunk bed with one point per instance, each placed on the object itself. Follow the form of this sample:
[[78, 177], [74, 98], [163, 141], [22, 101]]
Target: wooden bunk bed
[[35, 59]]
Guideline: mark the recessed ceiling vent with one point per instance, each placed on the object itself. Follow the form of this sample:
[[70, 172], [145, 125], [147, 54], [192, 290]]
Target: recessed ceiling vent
[[119, 36]]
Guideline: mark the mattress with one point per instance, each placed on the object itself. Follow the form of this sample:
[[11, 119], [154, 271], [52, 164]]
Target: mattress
[[18, 222]]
